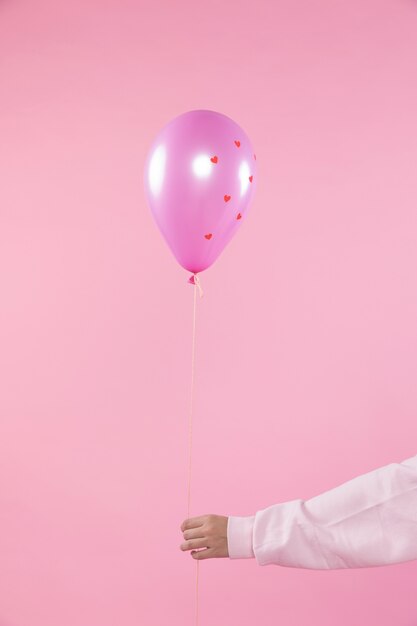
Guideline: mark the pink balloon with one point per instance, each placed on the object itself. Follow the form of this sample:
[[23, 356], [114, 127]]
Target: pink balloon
[[200, 176]]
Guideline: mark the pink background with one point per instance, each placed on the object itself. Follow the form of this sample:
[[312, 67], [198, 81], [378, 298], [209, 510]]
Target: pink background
[[306, 335]]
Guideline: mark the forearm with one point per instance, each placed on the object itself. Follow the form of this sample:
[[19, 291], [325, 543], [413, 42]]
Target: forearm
[[368, 521]]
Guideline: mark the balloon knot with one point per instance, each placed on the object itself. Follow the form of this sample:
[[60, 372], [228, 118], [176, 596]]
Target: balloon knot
[[194, 280]]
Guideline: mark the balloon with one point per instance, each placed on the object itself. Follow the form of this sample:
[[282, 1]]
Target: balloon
[[200, 176]]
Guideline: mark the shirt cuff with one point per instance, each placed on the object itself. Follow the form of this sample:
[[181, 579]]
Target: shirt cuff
[[239, 537]]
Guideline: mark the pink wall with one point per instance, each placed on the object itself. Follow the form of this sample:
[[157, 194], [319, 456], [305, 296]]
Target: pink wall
[[306, 335]]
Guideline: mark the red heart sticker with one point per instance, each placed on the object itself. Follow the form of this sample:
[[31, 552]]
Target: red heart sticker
[[239, 216], [208, 236], [227, 198], [237, 143], [251, 178], [214, 159]]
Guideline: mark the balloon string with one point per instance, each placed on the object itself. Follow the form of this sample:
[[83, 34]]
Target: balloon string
[[196, 282]]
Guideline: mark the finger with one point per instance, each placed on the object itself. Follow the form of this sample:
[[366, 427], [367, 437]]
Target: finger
[[193, 522], [194, 533], [199, 555], [194, 543]]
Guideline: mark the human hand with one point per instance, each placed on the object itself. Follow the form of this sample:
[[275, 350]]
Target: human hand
[[208, 532]]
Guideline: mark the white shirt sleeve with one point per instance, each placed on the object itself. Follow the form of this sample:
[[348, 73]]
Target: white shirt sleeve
[[368, 521]]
